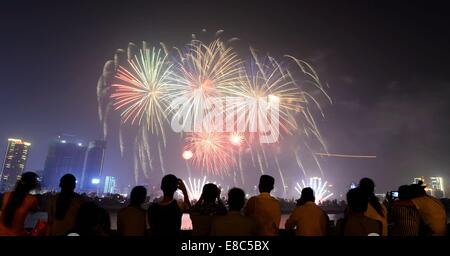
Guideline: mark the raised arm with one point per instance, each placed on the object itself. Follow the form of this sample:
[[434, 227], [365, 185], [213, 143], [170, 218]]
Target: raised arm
[[183, 189]]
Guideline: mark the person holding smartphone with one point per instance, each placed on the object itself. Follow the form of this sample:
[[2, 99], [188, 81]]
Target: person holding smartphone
[[206, 209], [405, 217], [165, 216]]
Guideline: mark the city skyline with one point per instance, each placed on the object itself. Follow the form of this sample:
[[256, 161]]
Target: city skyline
[[107, 184]]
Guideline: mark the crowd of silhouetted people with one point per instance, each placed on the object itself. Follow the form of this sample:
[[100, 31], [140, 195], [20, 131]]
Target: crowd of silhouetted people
[[413, 213]]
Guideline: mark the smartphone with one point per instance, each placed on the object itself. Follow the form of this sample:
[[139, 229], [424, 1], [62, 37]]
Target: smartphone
[[394, 194]]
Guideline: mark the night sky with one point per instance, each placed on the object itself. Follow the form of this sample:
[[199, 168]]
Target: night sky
[[387, 65]]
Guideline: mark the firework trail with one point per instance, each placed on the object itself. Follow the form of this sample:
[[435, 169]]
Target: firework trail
[[260, 163], [188, 168], [299, 162], [346, 156], [121, 142], [136, 168], [195, 187], [281, 176], [161, 159], [241, 170], [315, 159]]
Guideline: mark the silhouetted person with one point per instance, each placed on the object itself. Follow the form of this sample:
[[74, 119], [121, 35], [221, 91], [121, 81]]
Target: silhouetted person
[[165, 216], [356, 223], [432, 212], [375, 210], [104, 227], [405, 217], [63, 207], [17, 205], [308, 218], [234, 223], [91, 220], [132, 220], [203, 212], [264, 208]]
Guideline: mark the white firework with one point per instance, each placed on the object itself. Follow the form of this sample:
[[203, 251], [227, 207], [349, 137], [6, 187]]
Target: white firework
[[320, 189], [194, 187]]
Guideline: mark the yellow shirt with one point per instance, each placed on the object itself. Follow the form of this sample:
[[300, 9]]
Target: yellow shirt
[[432, 213], [373, 214], [265, 210], [309, 219]]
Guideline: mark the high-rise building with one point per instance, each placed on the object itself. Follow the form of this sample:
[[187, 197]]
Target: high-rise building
[[65, 155], [93, 166], [14, 163], [437, 187], [110, 185]]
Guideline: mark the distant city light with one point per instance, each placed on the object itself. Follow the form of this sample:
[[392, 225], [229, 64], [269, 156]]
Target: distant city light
[[95, 181], [63, 141], [19, 141], [80, 144]]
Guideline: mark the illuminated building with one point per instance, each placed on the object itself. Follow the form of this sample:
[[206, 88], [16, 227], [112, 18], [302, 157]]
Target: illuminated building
[[93, 165], [437, 187], [14, 163], [110, 185], [65, 155]]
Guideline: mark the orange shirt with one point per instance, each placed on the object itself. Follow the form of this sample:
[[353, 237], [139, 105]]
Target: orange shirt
[[309, 220], [17, 228], [373, 214], [265, 210]]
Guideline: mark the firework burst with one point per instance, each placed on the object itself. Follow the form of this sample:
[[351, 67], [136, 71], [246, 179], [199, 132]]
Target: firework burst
[[150, 80], [320, 189], [142, 95], [263, 86], [203, 71], [210, 152]]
